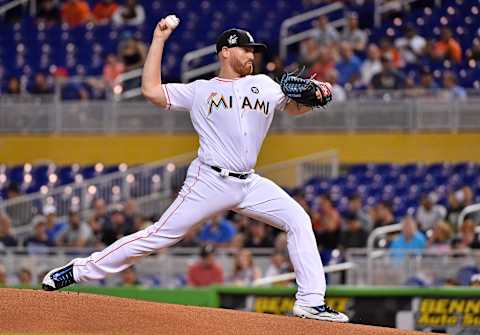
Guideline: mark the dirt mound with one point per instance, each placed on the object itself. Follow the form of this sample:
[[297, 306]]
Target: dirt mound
[[38, 312]]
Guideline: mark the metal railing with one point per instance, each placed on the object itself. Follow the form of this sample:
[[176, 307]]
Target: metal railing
[[466, 211], [386, 110], [286, 40], [15, 3], [151, 185], [188, 72]]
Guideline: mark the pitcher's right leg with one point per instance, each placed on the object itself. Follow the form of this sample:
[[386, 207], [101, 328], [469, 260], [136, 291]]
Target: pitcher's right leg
[[202, 196]]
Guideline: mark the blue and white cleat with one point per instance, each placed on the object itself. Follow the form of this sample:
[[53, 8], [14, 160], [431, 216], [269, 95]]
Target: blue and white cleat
[[323, 312], [59, 278]]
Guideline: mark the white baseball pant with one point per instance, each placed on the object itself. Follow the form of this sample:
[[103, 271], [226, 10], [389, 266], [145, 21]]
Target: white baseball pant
[[204, 194]]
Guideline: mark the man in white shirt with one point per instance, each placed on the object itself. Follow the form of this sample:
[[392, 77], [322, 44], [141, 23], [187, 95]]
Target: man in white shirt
[[231, 114]]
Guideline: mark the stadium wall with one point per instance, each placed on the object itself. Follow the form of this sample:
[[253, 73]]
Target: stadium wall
[[142, 148]]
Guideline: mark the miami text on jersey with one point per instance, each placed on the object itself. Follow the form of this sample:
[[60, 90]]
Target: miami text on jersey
[[227, 103]]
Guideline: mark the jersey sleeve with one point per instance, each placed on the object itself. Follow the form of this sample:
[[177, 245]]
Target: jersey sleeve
[[179, 96]]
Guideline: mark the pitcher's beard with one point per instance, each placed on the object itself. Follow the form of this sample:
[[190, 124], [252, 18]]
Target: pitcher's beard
[[243, 69]]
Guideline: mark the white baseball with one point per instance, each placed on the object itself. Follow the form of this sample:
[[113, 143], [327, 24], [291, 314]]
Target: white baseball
[[172, 21]]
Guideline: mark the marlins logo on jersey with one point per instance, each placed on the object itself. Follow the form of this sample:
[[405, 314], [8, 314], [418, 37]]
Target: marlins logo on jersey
[[217, 102]]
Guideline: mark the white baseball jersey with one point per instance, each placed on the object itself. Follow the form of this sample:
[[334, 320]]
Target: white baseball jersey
[[231, 117]]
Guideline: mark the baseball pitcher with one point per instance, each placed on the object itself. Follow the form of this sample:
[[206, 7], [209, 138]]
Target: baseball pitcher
[[231, 114]]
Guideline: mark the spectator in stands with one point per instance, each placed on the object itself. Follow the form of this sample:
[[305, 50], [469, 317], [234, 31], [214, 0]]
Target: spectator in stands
[[354, 235], [3, 275], [241, 223], [278, 265], [190, 238], [218, 231], [131, 14], [429, 212], [40, 85], [258, 236], [348, 66], [457, 201], [326, 224], [132, 53], [371, 65], [325, 34], [390, 52], [389, 78], [411, 45], [452, 91], [474, 53], [129, 277], [382, 215], [112, 68], [324, 65], [338, 92], [440, 238], [76, 13], [130, 212], [469, 239], [447, 47], [48, 13], [104, 10], [410, 240], [238, 241], [78, 233], [275, 67], [355, 209], [353, 34], [115, 228], [25, 277], [244, 270], [280, 243], [427, 85], [309, 52], [7, 239], [38, 242], [99, 217], [13, 86], [206, 271], [54, 226]]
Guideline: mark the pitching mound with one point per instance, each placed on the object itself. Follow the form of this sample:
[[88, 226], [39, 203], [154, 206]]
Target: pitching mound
[[38, 312]]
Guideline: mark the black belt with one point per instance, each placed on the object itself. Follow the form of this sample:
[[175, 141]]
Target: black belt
[[232, 174]]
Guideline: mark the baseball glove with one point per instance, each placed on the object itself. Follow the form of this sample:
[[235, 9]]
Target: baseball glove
[[305, 91]]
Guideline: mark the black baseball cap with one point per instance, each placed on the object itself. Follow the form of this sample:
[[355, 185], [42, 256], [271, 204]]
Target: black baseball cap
[[238, 38]]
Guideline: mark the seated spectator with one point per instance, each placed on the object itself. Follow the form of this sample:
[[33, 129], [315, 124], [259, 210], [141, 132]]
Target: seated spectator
[[218, 231], [411, 45], [452, 91], [54, 226], [190, 239], [238, 241], [77, 234], [132, 54], [309, 52], [76, 13], [7, 239], [427, 85], [382, 215], [355, 208], [244, 270], [468, 238], [48, 13], [112, 68], [131, 212], [326, 224], [354, 235], [353, 34], [40, 85], [129, 277], [206, 271], [25, 277], [115, 228], [371, 65], [104, 10], [447, 47], [390, 52], [324, 65], [325, 34], [410, 240], [429, 212], [348, 66], [338, 92], [278, 265], [389, 78], [13, 86], [38, 242], [132, 14], [441, 237], [258, 236], [280, 244]]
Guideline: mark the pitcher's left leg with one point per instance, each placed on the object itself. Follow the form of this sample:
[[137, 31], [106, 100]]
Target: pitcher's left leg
[[267, 202]]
